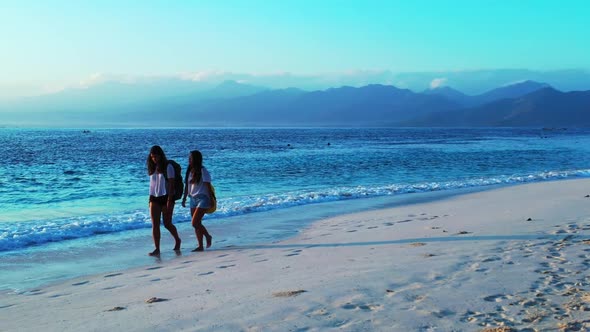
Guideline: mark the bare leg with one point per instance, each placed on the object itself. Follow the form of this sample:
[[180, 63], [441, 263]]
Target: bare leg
[[208, 236], [203, 230], [196, 222], [155, 213], [168, 211]]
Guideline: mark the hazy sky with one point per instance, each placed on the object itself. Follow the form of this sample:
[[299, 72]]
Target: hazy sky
[[49, 44]]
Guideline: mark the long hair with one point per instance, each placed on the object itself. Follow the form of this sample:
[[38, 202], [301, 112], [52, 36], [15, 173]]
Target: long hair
[[152, 167], [196, 165]]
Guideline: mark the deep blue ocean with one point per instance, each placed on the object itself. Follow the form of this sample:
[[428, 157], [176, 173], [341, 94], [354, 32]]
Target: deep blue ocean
[[75, 202]]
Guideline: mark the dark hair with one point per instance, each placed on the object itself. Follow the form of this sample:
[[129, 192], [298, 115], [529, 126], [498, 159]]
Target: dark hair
[[151, 165], [196, 166]]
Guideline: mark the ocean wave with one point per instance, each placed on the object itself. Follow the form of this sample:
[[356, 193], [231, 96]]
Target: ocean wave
[[18, 235]]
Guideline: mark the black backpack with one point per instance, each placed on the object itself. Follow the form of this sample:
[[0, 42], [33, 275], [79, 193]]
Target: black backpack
[[178, 184]]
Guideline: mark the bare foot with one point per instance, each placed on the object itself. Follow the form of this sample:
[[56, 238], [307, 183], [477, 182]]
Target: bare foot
[[209, 239], [155, 253], [177, 246], [198, 249]]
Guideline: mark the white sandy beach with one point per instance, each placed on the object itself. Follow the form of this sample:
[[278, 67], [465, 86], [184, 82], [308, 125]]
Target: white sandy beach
[[467, 263]]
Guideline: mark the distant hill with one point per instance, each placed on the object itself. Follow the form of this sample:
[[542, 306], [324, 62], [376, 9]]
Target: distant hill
[[451, 94], [475, 82], [546, 107], [508, 91], [262, 108], [104, 97], [224, 90], [232, 89], [114, 97], [230, 103], [372, 105]]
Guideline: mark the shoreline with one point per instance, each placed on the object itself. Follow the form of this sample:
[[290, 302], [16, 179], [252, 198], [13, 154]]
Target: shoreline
[[52, 263], [466, 262]]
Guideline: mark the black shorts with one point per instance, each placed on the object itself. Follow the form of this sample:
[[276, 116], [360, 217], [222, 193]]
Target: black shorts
[[162, 200]]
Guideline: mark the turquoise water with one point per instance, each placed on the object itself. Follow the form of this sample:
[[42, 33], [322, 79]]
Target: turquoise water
[[66, 195]]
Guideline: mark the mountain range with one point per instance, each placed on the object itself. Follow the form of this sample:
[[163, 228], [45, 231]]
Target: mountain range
[[230, 103], [545, 107]]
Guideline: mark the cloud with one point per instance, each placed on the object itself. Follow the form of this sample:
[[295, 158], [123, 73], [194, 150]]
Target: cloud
[[201, 76], [278, 79], [513, 82], [437, 83], [93, 79], [99, 78]]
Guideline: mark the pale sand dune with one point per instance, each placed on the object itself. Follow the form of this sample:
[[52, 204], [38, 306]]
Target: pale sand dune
[[467, 263]]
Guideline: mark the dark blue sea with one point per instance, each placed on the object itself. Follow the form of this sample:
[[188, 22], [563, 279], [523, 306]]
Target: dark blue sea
[[74, 202]]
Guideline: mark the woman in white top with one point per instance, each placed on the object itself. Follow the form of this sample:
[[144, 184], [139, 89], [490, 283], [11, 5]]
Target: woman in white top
[[198, 186], [161, 196]]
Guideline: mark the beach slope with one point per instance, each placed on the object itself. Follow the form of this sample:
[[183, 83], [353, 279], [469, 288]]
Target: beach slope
[[514, 257]]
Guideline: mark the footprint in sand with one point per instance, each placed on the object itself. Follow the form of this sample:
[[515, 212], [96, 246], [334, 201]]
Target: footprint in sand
[[428, 218], [113, 275], [180, 267], [474, 267], [153, 268], [226, 266], [496, 298], [320, 312], [491, 259], [205, 273], [155, 299], [415, 297], [295, 252], [443, 313], [572, 326], [112, 287], [364, 307], [116, 309], [471, 316], [81, 283], [289, 293]]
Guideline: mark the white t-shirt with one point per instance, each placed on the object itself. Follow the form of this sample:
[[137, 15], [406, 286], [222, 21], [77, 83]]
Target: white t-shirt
[[158, 182], [195, 189]]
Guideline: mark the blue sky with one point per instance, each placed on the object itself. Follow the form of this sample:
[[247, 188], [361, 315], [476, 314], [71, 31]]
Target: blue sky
[[51, 44]]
